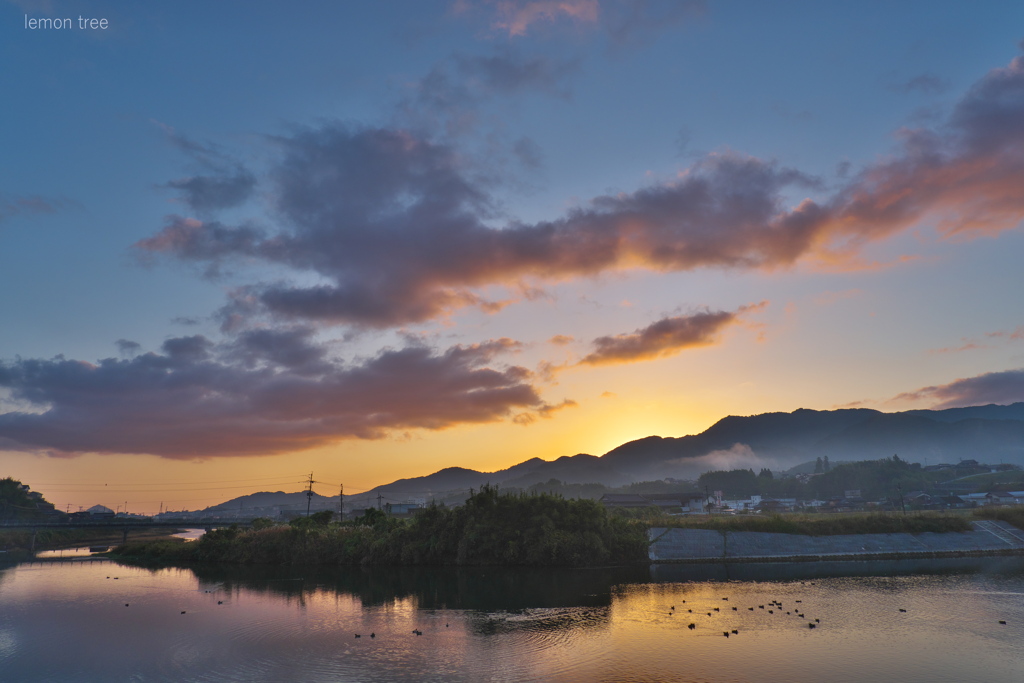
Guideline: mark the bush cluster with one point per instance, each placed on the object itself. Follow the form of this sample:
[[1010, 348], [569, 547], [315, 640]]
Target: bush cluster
[[492, 528]]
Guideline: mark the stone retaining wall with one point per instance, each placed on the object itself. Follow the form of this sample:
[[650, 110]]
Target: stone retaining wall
[[701, 545]]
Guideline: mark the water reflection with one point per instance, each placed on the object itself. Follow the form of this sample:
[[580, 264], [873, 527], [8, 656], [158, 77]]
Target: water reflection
[[100, 621], [484, 589]]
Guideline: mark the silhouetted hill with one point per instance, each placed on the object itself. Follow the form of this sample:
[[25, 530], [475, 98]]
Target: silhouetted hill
[[992, 411], [268, 499], [989, 434]]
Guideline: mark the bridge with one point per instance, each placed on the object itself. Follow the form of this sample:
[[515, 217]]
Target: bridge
[[123, 525]]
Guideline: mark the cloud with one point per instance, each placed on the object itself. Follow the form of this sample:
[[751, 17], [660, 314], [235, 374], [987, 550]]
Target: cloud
[[967, 345], [399, 228], [517, 16], [625, 23], [1013, 335], [264, 392], [739, 456], [223, 182], [666, 337], [127, 347], [1002, 387], [33, 204], [448, 100], [928, 83]]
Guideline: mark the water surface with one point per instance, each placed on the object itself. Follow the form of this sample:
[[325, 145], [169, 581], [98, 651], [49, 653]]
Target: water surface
[[68, 621]]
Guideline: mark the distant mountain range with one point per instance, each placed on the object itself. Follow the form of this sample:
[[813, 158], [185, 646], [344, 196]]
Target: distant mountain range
[[989, 434]]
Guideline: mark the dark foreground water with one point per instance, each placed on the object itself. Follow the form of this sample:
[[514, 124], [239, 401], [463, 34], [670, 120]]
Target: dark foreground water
[[68, 621]]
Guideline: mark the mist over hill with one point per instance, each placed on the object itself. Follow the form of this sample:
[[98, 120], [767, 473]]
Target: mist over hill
[[779, 441]]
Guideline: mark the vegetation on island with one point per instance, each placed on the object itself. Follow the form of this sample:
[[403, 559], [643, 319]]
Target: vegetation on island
[[492, 528]]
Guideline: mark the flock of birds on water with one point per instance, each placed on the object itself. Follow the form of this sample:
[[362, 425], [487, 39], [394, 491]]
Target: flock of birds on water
[[771, 607]]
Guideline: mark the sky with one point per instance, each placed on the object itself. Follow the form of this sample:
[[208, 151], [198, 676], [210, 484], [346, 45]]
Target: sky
[[243, 242]]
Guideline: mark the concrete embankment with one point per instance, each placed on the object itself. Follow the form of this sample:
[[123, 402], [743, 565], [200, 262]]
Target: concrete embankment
[[701, 545]]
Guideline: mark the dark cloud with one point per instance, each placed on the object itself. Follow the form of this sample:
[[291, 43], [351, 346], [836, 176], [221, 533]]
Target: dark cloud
[[265, 392], [1003, 387], [666, 337], [400, 229], [126, 347], [221, 182], [206, 193], [449, 100]]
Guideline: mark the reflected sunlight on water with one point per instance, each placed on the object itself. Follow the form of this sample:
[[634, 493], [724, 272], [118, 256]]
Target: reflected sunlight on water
[[68, 621]]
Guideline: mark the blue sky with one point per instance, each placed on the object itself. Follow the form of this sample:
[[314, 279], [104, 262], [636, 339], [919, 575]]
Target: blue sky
[[585, 221]]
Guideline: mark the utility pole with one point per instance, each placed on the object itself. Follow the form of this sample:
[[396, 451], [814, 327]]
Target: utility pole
[[378, 501], [309, 493], [341, 502], [899, 487]]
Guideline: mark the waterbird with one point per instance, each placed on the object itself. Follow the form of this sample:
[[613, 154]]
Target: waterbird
[[182, 611], [736, 631], [358, 636], [689, 610], [126, 604], [810, 625], [1002, 622], [709, 614], [373, 635], [771, 611], [725, 598], [692, 626], [220, 602], [751, 609], [801, 616], [735, 609], [725, 633], [817, 621], [902, 610], [760, 606], [717, 610]]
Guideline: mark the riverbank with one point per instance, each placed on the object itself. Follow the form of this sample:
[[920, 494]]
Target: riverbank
[[985, 537], [59, 539]]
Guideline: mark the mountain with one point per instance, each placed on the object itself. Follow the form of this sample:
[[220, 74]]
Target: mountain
[[779, 441], [989, 434], [267, 499]]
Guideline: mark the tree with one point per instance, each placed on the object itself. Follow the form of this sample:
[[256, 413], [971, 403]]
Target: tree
[[819, 467]]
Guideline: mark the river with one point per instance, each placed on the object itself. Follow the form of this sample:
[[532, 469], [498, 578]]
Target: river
[[94, 620]]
